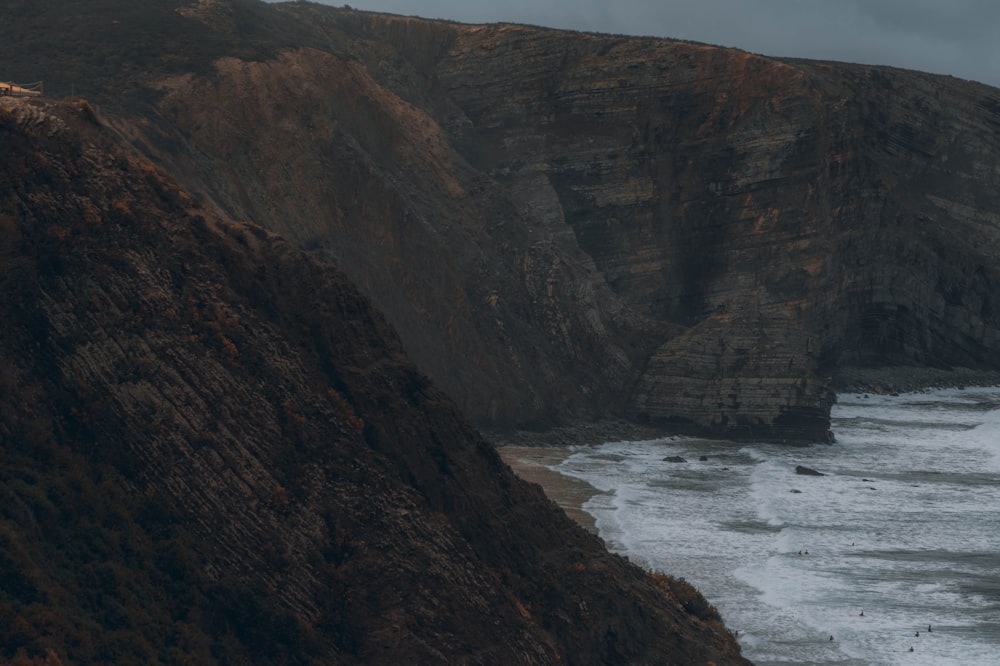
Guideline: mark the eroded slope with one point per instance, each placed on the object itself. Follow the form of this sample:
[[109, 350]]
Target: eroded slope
[[215, 450]]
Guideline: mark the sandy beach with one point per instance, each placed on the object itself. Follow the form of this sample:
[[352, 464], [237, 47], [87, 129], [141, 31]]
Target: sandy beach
[[532, 463]]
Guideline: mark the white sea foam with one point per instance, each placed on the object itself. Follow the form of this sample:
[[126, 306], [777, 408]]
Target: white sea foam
[[986, 436], [902, 525]]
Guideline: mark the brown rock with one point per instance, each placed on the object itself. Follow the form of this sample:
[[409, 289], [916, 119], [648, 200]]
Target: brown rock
[[215, 450], [566, 226]]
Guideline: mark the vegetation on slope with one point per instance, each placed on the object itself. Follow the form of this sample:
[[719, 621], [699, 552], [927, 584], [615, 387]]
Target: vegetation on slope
[[215, 451]]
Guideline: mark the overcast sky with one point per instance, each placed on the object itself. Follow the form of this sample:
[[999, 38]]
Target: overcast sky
[[957, 37]]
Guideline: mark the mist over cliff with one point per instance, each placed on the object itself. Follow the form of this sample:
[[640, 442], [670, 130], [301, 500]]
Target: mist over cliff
[[224, 247]]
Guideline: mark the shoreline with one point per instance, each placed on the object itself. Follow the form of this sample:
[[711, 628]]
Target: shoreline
[[848, 380], [531, 453], [909, 379], [774, 630], [531, 463], [583, 433]]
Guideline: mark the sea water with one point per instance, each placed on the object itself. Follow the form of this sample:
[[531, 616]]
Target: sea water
[[903, 527]]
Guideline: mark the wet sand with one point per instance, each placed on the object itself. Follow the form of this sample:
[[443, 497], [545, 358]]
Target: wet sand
[[531, 464]]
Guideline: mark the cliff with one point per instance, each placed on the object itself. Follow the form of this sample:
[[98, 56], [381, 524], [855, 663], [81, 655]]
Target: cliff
[[215, 450], [213, 287], [568, 226], [792, 217]]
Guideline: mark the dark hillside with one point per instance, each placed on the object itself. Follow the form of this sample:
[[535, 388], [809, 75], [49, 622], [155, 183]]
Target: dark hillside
[[215, 451], [113, 49], [215, 445]]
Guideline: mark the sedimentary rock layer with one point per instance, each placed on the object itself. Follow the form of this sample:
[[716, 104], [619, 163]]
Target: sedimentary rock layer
[[551, 219], [215, 451], [567, 225]]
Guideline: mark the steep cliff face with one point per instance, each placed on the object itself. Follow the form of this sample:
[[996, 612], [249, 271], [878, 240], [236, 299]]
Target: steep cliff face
[[652, 228], [914, 259], [214, 449], [568, 226], [792, 217], [500, 315]]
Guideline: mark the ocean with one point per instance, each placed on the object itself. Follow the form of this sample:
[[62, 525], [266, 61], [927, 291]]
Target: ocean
[[903, 526]]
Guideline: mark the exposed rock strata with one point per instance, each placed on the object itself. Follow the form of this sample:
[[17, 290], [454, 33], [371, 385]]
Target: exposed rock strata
[[215, 450], [603, 212], [554, 220]]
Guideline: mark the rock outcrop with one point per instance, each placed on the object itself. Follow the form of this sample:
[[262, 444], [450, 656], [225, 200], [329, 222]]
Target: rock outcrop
[[560, 226], [568, 226], [616, 226], [215, 450]]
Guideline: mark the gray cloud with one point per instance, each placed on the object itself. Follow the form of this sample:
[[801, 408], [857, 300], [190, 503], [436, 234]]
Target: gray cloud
[[957, 37]]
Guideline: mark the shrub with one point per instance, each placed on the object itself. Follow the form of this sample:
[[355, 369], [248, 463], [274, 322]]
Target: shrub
[[685, 594]]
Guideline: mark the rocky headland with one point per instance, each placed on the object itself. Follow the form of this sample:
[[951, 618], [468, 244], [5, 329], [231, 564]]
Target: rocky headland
[[267, 263], [567, 226], [214, 450], [570, 227]]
